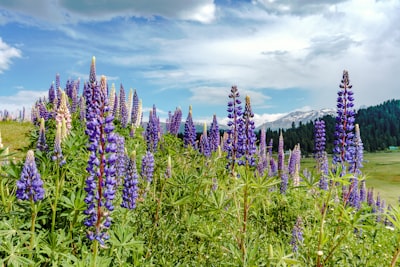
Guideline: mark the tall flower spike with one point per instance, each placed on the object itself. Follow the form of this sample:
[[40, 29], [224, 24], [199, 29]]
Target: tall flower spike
[[57, 154], [234, 115], [129, 106], [189, 137], [281, 153], [112, 97], [63, 113], [358, 154], [135, 107], [101, 182], [152, 131], [204, 144], [92, 75], [147, 167], [42, 143], [139, 114], [297, 235], [52, 93], [214, 138], [319, 143], [123, 111], [344, 143], [130, 188], [247, 137], [30, 185]]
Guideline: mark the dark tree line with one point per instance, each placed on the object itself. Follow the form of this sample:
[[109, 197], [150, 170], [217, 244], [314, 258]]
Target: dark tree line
[[379, 127]]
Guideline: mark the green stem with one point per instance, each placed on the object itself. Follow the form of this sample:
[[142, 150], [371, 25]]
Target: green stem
[[321, 229], [156, 217], [95, 251], [54, 206], [395, 255], [33, 222]]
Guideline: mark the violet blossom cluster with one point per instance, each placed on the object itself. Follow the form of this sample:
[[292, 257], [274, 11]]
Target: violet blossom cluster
[[152, 133], [189, 135], [57, 153], [130, 186], [135, 108], [101, 182], [234, 115], [344, 142], [204, 143], [42, 143], [30, 184], [297, 235], [123, 110], [174, 121], [246, 137], [147, 170], [358, 155], [214, 136]]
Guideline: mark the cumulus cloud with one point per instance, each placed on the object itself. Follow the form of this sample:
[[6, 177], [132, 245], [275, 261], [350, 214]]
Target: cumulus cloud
[[65, 11], [7, 54]]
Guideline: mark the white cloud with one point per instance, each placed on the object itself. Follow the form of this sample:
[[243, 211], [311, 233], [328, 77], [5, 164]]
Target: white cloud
[[70, 12], [7, 53], [23, 98]]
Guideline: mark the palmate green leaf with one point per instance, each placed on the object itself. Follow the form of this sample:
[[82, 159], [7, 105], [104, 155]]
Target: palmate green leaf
[[123, 237], [15, 254]]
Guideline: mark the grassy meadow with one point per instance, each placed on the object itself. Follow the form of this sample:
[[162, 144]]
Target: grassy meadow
[[200, 215]]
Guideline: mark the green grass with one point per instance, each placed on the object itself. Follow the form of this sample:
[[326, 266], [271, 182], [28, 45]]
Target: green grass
[[382, 172], [15, 136]]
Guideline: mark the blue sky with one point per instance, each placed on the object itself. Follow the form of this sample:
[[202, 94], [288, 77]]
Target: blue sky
[[287, 55]]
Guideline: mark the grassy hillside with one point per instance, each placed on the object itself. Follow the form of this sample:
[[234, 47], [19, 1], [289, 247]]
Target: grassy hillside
[[15, 136]]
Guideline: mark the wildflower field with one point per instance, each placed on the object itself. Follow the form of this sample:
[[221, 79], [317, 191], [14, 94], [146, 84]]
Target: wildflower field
[[98, 187]]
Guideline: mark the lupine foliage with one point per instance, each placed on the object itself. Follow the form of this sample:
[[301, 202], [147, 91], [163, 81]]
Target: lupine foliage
[[182, 208]]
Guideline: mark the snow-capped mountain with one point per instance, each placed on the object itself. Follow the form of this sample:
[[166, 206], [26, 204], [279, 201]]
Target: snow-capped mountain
[[296, 117]]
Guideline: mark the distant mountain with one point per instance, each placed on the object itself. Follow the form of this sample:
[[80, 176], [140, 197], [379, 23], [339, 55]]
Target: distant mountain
[[296, 117]]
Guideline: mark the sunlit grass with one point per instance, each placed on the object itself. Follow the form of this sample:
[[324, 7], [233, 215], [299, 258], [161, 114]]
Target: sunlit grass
[[15, 136]]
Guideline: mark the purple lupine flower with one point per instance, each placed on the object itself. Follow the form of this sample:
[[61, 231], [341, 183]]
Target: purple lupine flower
[[358, 154], [176, 121], [281, 153], [135, 107], [214, 138], [152, 132], [234, 115], [292, 160], [75, 99], [273, 169], [297, 235], [30, 185], [344, 143], [262, 153], [52, 93], [147, 167], [319, 143], [123, 110], [42, 144], [284, 182], [247, 137], [130, 188], [189, 135], [204, 144], [101, 182], [115, 110], [363, 191], [354, 197], [370, 197], [57, 154], [121, 158]]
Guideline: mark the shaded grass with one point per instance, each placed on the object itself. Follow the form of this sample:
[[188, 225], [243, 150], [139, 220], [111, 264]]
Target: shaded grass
[[15, 136]]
